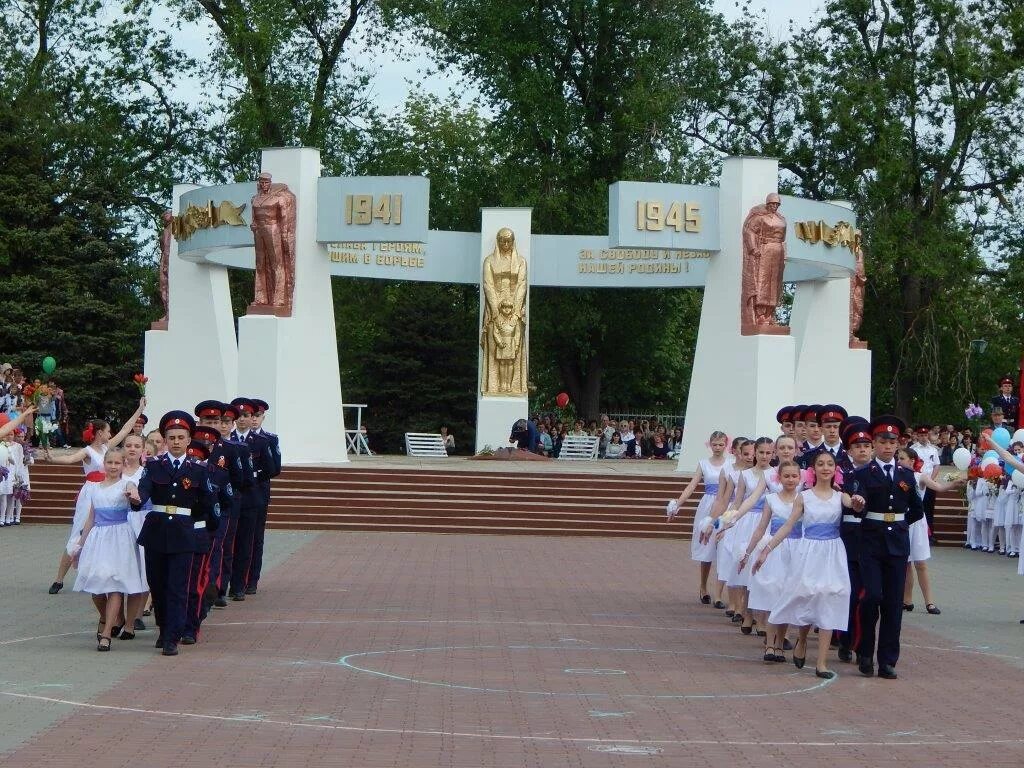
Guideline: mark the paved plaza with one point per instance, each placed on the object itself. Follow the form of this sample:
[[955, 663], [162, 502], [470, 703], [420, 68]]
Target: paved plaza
[[366, 649]]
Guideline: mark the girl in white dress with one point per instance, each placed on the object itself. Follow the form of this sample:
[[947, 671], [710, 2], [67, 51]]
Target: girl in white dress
[[1012, 462], [722, 510], [109, 563], [751, 490], [1013, 510], [987, 510], [20, 484], [817, 590], [7, 477], [709, 471], [134, 450], [767, 583], [98, 439], [920, 549]]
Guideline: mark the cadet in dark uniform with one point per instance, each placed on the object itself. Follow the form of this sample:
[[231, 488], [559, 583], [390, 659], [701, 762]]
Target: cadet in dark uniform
[[856, 432], [830, 417], [785, 419], [253, 499], [233, 458], [183, 502], [1009, 402], [198, 603], [256, 566], [887, 502]]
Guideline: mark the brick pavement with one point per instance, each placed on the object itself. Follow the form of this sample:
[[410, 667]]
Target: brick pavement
[[427, 650]]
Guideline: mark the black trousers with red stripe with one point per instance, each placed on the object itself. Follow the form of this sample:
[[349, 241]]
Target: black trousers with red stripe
[[849, 639], [198, 580]]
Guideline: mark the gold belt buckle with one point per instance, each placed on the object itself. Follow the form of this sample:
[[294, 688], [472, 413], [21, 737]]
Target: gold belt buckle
[[171, 510], [890, 517]]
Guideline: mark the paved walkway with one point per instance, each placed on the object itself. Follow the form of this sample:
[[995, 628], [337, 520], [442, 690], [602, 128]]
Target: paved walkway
[[367, 649]]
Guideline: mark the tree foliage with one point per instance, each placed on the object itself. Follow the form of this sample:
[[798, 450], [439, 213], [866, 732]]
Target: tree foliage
[[911, 110]]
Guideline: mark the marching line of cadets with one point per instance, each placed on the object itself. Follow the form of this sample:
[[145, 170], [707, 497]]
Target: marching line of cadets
[[813, 530], [187, 526]]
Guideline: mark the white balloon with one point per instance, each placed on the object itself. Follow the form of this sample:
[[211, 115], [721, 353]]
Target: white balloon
[[989, 462], [962, 458], [1018, 436], [1017, 478]]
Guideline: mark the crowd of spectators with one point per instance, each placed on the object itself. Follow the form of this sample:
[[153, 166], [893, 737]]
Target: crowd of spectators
[[17, 392], [624, 439]]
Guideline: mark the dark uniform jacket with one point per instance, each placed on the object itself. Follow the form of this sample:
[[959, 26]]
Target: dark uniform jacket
[[262, 468], [187, 488], [881, 537], [236, 460]]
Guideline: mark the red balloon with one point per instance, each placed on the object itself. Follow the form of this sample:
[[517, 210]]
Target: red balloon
[[983, 439], [562, 399], [992, 472]]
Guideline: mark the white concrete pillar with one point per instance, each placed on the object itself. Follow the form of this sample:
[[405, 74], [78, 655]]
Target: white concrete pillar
[[196, 358], [738, 382], [292, 362], [827, 369], [495, 414]]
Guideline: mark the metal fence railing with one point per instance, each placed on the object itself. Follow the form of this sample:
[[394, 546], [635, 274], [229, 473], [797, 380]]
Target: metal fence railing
[[669, 419]]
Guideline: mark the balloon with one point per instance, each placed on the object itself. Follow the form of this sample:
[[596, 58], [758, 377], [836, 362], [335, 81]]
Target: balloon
[[562, 399], [990, 455], [988, 462], [49, 365], [1017, 478], [1018, 436], [962, 458], [1001, 437], [992, 472]]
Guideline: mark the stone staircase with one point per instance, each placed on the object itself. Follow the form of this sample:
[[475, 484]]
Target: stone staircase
[[440, 500]]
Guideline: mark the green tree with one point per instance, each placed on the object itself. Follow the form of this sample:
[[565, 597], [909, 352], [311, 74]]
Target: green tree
[[300, 84], [69, 288], [584, 93], [910, 110]]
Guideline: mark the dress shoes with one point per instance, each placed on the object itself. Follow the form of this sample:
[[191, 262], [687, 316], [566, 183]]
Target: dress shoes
[[159, 642], [188, 640], [238, 597], [170, 649], [888, 671], [866, 667], [251, 589], [845, 655], [220, 602]]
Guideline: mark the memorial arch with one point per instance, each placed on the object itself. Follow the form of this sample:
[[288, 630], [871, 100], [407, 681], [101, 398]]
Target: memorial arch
[[660, 235]]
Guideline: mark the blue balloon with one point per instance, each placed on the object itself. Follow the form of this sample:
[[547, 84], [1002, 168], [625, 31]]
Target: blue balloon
[[990, 455], [1001, 437]]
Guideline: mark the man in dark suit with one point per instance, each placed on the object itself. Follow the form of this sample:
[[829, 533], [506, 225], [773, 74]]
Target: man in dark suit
[[888, 503], [1008, 402], [856, 432]]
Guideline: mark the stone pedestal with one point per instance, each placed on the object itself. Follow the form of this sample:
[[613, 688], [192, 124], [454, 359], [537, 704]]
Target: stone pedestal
[[292, 362], [195, 358], [495, 414], [739, 381]]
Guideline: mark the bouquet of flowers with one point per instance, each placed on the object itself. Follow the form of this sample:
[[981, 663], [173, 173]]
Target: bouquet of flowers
[[21, 491], [140, 382], [44, 428], [973, 411]]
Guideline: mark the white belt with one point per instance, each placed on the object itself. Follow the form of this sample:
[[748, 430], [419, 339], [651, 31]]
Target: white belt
[[172, 510], [886, 517], [851, 519], [199, 524]]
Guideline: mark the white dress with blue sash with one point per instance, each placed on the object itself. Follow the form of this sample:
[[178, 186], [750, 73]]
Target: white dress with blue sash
[[705, 553], [110, 560], [817, 589]]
